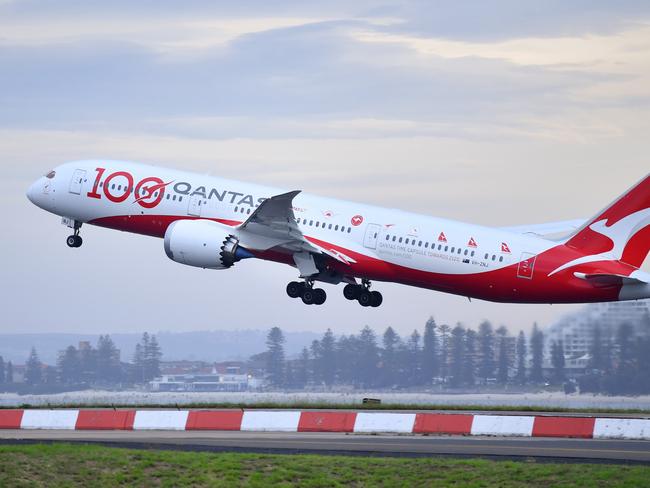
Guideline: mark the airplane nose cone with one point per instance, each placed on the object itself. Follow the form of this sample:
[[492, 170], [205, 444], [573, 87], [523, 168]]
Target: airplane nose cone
[[31, 192]]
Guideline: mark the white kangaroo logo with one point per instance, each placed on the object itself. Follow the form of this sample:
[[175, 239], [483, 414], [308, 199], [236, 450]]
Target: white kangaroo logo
[[620, 233]]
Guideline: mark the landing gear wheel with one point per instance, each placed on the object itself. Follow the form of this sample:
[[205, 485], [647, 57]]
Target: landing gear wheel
[[319, 296], [365, 298], [308, 296], [295, 289], [351, 291], [375, 299], [74, 241]]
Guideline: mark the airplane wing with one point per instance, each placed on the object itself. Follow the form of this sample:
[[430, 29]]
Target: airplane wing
[[273, 225], [550, 230]]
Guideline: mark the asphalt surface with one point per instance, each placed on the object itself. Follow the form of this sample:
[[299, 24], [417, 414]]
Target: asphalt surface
[[589, 450]]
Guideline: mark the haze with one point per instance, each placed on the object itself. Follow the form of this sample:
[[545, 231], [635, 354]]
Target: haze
[[496, 114]]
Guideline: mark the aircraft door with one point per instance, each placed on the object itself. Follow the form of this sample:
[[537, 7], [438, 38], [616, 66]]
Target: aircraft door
[[526, 266], [77, 181], [372, 233], [194, 207]]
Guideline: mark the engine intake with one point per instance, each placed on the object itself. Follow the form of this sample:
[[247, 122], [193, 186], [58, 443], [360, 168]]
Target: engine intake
[[204, 244]]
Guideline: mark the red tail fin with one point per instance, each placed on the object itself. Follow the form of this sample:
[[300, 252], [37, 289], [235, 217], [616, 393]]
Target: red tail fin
[[622, 229]]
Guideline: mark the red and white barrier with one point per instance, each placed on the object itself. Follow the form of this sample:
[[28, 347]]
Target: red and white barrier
[[329, 421]]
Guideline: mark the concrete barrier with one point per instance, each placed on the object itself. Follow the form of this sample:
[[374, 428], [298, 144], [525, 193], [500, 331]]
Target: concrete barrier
[[270, 421], [580, 427], [435, 423], [327, 421], [503, 425], [622, 429], [105, 420], [160, 420], [49, 419], [10, 419], [214, 420], [384, 422]]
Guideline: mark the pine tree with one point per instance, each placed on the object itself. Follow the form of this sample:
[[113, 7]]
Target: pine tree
[[469, 362], [444, 334], [327, 358], [69, 366], [429, 352], [108, 360], [537, 352], [302, 375], [152, 356], [33, 373], [503, 360], [558, 361], [414, 359], [368, 357], [2, 371], [521, 358], [486, 351], [138, 368], [457, 355], [275, 365], [9, 375], [389, 363]]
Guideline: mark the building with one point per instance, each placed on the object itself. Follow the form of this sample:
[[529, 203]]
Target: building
[[222, 377], [576, 330]]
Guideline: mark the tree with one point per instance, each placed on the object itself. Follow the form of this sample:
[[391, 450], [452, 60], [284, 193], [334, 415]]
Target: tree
[[444, 333], [521, 358], [558, 361], [152, 357], [108, 360], [138, 364], [413, 354], [69, 366], [503, 360], [469, 362], [9, 378], [2, 370], [486, 351], [429, 352], [389, 363], [596, 350], [537, 352], [33, 366], [327, 358], [302, 375], [275, 357], [368, 357], [457, 355]]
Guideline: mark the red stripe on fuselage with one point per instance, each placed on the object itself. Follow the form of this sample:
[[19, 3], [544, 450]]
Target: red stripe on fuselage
[[499, 285]]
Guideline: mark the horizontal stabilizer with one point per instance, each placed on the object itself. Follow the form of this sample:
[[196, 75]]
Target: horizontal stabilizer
[[608, 279]]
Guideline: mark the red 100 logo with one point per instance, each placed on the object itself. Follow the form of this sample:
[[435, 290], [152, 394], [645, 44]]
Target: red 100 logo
[[145, 196]]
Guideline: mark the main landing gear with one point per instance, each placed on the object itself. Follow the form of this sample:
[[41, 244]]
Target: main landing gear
[[362, 294], [75, 239], [306, 291]]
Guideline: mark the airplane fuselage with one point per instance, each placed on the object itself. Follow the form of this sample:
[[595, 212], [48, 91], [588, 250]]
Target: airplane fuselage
[[373, 243]]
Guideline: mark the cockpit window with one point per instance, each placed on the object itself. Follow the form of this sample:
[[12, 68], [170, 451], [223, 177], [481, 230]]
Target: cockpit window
[[50, 175]]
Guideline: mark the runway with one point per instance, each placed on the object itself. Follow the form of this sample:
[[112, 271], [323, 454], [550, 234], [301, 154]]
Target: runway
[[573, 450]]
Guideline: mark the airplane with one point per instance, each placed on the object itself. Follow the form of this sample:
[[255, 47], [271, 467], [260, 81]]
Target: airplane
[[214, 223]]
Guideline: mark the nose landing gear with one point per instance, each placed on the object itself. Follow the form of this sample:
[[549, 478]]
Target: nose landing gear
[[75, 239], [306, 291], [362, 294]]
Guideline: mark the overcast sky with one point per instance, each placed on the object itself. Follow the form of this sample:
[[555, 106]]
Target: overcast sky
[[498, 113]]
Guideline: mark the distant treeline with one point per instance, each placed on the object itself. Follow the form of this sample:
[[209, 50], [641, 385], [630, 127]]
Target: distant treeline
[[459, 358], [89, 366]]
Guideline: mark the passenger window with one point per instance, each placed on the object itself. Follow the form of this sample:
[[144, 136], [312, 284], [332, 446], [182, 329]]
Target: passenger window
[[236, 208], [400, 240], [420, 244], [311, 222], [452, 250], [349, 229], [174, 198], [336, 227], [466, 251], [500, 259], [406, 241], [426, 245], [330, 228], [439, 247], [472, 253], [180, 199], [460, 250], [394, 238], [494, 257], [486, 255]]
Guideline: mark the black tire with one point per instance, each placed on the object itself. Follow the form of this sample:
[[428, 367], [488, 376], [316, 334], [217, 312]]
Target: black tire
[[351, 292], [308, 296], [71, 241], [295, 289], [365, 298], [375, 299], [320, 296], [78, 241]]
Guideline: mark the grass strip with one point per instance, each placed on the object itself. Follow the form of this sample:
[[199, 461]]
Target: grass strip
[[55, 465]]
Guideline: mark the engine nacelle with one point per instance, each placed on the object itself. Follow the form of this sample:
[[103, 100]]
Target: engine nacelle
[[204, 244]]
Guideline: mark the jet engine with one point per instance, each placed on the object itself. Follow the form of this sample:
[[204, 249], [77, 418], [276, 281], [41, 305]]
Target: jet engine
[[204, 244]]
